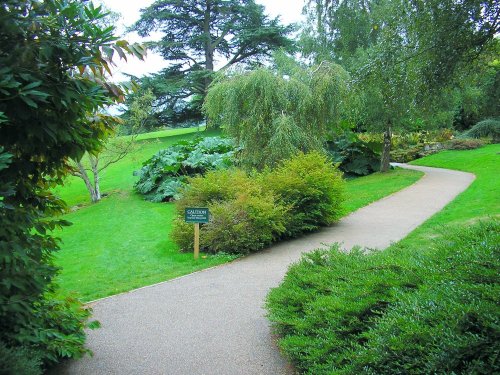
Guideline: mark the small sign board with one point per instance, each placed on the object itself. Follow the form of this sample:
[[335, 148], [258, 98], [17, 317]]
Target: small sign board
[[196, 215]]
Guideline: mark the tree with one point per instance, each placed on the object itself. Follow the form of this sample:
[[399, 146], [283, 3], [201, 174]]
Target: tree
[[411, 54], [196, 34], [273, 115], [54, 59], [91, 164]]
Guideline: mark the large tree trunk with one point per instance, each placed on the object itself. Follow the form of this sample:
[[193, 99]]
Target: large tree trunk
[[386, 152]]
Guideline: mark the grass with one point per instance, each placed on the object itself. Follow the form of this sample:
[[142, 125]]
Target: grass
[[365, 190], [479, 201], [123, 242]]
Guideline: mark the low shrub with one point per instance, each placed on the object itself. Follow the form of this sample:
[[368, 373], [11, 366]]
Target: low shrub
[[311, 187], [243, 217], [249, 212], [464, 144], [355, 156], [395, 312], [162, 177], [486, 128]]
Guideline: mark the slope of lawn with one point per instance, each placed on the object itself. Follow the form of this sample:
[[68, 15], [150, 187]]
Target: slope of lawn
[[428, 304], [118, 176], [481, 199], [123, 242], [365, 190]]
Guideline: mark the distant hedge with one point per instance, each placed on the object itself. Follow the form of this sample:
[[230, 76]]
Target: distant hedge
[[431, 311], [249, 212]]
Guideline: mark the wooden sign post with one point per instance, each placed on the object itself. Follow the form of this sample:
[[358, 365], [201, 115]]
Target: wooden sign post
[[196, 215]]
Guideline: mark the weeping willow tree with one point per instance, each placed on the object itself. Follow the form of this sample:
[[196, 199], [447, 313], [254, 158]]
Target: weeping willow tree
[[274, 114]]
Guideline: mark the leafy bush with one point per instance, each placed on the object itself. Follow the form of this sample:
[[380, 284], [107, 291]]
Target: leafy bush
[[485, 128], [19, 361], [464, 144], [243, 217], [397, 311], [162, 177], [56, 331], [355, 156], [249, 212], [311, 187]]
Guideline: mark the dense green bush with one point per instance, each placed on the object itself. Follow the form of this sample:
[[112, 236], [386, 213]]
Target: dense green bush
[[19, 361], [53, 61], [56, 331], [485, 128], [311, 187], [464, 144], [355, 156], [395, 312], [162, 177], [243, 217], [249, 212]]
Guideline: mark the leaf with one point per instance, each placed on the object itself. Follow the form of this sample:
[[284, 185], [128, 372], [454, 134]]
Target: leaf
[[28, 101], [32, 85]]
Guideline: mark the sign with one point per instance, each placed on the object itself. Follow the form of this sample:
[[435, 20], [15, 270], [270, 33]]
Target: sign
[[196, 215]]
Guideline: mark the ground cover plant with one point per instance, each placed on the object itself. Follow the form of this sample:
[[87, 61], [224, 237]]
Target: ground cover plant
[[428, 304], [431, 311], [162, 176]]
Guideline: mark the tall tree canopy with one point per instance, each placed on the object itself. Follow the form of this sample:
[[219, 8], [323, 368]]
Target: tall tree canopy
[[199, 34], [404, 54]]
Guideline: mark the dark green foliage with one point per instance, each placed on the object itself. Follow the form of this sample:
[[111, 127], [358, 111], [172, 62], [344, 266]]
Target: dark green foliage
[[486, 128], [55, 331], [19, 361], [312, 189], [427, 311], [244, 218], [54, 56], [355, 156], [464, 144], [250, 212], [163, 176]]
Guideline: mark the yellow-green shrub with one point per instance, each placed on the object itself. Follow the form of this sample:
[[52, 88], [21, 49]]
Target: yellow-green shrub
[[243, 217], [249, 212], [311, 187]]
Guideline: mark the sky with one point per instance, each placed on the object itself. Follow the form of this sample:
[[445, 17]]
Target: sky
[[288, 10]]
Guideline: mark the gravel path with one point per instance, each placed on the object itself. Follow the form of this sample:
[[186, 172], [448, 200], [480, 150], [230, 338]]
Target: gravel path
[[212, 322]]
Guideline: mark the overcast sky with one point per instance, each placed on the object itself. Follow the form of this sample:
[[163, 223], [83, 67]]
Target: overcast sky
[[288, 10]]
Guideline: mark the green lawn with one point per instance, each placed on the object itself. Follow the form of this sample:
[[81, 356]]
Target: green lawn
[[123, 242], [480, 200], [365, 190]]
